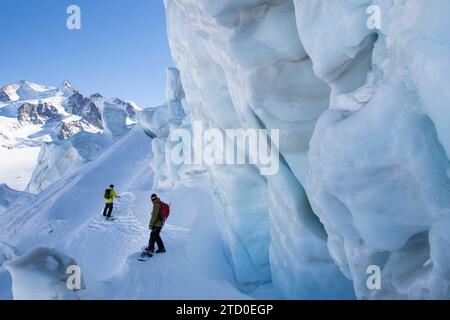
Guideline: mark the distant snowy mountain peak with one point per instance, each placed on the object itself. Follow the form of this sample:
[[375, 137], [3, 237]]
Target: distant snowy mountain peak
[[25, 90], [64, 106], [33, 114], [66, 88]]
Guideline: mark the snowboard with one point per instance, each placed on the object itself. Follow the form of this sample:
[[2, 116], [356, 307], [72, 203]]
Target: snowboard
[[110, 219], [144, 257]]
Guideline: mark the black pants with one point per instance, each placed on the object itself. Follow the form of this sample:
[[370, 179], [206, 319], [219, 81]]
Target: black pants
[[108, 210], [155, 237]]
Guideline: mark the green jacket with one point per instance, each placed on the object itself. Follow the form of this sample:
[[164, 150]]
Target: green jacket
[[156, 220], [113, 195]]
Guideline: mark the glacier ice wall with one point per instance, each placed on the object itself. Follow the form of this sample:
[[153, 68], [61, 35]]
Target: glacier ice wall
[[364, 138], [378, 163], [243, 66]]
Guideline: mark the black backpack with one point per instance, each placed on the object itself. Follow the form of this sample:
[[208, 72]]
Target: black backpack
[[108, 194]]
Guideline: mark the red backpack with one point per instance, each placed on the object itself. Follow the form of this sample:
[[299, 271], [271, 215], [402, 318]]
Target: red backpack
[[165, 211]]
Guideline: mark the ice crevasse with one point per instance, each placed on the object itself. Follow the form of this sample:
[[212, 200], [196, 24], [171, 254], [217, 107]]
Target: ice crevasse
[[364, 139]]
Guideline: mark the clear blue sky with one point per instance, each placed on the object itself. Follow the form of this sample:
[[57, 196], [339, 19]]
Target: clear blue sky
[[121, 50]]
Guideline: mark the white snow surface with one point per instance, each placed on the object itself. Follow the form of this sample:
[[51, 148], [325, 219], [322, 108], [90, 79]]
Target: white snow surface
[[66, 217]]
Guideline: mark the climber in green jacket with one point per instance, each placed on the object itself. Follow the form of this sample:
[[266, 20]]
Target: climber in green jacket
[[156, 224], [109, 196]]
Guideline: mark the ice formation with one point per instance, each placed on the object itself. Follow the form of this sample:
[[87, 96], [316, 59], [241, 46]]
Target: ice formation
[[60, 158], [10, 198], [378, 164], [43, 274], [159, 124], [7, 253], [371, 187]]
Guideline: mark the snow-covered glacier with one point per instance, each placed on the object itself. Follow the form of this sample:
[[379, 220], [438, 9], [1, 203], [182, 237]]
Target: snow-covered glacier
[[358, 90]]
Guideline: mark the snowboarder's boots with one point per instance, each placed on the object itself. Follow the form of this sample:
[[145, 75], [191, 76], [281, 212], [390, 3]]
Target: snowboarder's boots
[[161, 251], [147, 254]]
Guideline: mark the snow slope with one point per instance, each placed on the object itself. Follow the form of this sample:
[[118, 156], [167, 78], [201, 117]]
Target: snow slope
[[66, 216], [18, 166]]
